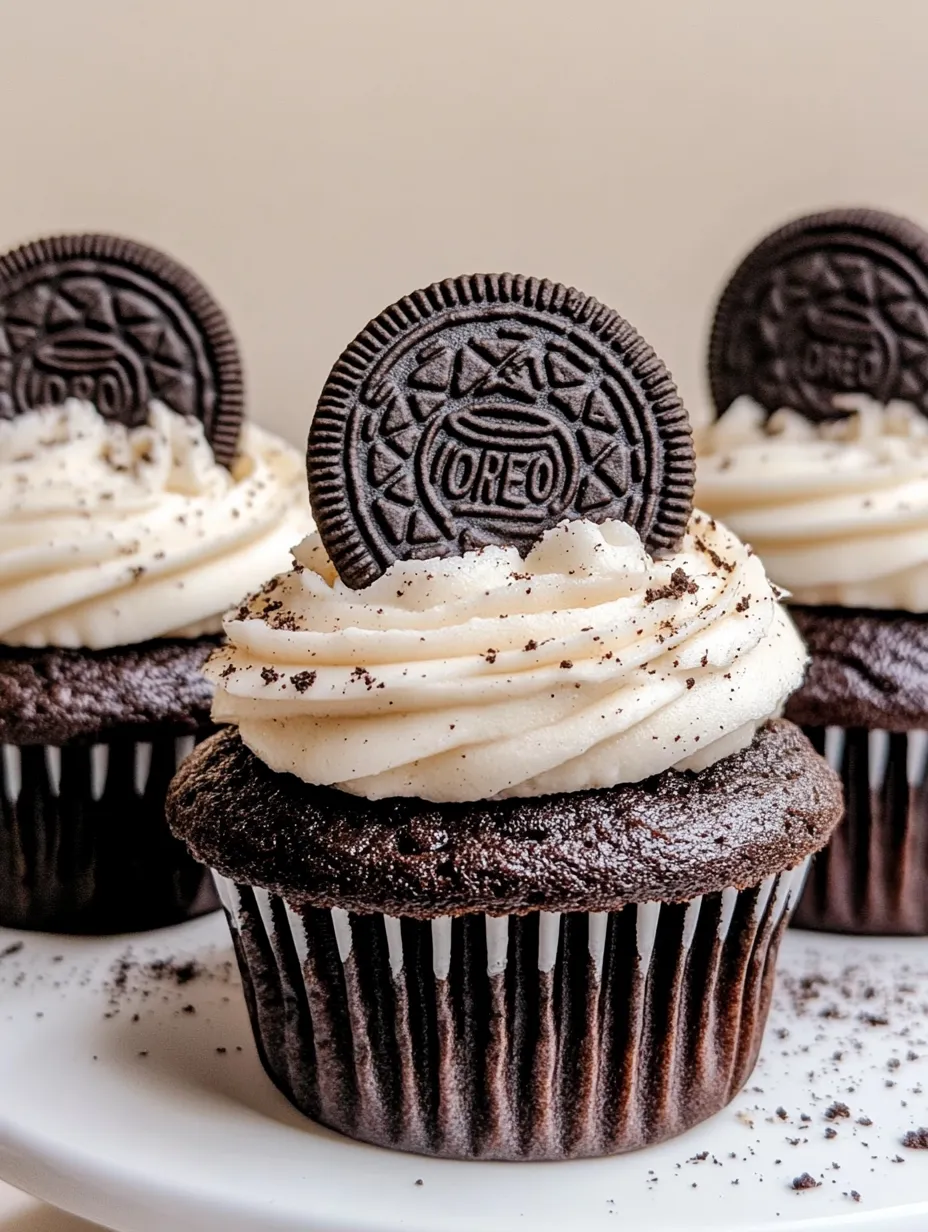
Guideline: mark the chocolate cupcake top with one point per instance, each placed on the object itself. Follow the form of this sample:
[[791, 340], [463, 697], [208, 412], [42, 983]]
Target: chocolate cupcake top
[[868, 669], [56, 696], [819, 457], [141, 508], [672, 837]]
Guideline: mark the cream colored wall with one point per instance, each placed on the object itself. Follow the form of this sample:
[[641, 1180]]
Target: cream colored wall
[[314, 160]]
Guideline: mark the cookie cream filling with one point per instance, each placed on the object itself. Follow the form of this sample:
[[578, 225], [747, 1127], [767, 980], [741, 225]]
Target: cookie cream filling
[[112, 535], [839, 511], [585, 665]]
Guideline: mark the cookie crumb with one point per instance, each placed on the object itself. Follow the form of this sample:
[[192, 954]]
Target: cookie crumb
[[837, 1109], [916, 1139], [805, 1181]]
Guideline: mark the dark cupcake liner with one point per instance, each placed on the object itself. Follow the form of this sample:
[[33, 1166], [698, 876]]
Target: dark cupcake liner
[[540, 1036], [84, 844], [872, 878]]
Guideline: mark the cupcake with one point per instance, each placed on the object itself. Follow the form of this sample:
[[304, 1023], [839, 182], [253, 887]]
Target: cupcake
[[503, 820], [819, 458], [135, 508]]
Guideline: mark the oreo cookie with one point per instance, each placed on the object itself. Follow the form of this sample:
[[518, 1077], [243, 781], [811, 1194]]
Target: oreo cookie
[[831, 304], [120, 325], [484, 410]]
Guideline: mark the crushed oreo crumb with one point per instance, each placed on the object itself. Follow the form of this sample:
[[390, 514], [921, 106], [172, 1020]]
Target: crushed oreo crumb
[[680, 584], [835, 1110], [805, 1181]]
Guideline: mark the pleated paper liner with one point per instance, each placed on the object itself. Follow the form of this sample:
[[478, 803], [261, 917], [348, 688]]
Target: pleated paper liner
[[84, 845], [873, 876], [541, 1036]]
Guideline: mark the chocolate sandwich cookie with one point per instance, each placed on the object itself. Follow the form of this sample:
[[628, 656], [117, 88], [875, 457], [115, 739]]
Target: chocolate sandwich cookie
[[829, 305], [485, 410], [119, 325]]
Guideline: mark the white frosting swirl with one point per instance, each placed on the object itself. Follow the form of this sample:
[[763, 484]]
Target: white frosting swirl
[[110, 536], [838, 512], [482, 676]]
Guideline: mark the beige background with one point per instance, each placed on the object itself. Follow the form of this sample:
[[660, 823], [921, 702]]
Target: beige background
[[314, 160]]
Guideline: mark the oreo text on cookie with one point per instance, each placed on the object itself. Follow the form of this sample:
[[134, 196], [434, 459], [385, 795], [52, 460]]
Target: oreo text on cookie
[[502, 468], [832, 304], [485, 410], [119, 325]]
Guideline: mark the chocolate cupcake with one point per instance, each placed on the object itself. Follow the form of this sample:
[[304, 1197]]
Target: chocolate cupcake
[[134, 510], [505, 826], [819, 457]]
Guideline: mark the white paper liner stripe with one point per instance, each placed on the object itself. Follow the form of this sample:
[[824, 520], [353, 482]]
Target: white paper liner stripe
[[784, 888], [916, 757], [877, 758], [729, 898], [596, 938], [834, 747], [229, 897], [266, 910], [394, 931], [797, 884], [183, 747], [497, 944], [648, 916], [789, 887], [12, 772], [99, 767], [53, 768], [342, 925], [763, 896], [690, 921], [298, 931], [142, 765], [549, 936], [441, 947]]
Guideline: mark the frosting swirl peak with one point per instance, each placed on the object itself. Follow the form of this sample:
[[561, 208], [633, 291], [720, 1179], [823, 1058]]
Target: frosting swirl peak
[[112, 535], [837, 511], [585, 665]]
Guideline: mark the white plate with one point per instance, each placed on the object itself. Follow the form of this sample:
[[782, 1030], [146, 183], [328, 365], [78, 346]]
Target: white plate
[[117, 1104], [19, 1213]]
